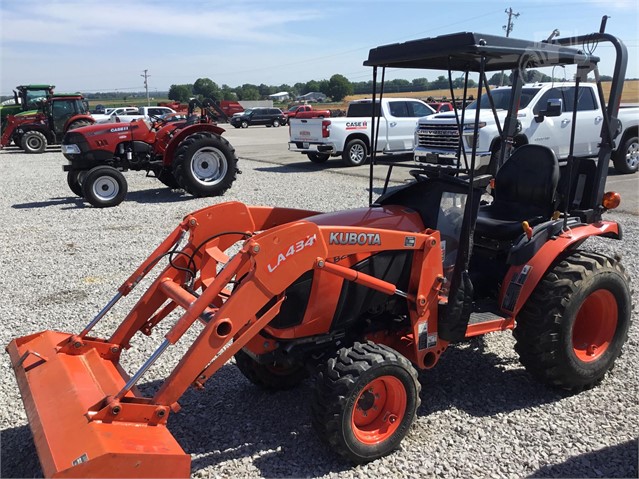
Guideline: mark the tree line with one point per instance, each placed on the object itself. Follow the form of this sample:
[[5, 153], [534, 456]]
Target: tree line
[[337, 87]]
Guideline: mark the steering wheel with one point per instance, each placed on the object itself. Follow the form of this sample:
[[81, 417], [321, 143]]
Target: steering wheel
[[157, 122]]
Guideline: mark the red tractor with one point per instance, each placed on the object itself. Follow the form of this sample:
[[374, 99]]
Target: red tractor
[[55, 116], [361, 299], [189, 153]]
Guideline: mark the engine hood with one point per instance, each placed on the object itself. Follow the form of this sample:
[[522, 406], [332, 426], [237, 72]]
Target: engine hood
[[383, 217], [103, 128]]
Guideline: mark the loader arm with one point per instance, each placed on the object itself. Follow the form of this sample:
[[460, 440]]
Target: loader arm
[[78, 377]]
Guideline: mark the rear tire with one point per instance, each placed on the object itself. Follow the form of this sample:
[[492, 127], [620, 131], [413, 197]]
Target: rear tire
[[205, 164], [626, 158], [104, 186], [74, 180], [273, 377], [355, 153], [575, 323], [365, 401], [33, 142], [318, 157], [165, 175]]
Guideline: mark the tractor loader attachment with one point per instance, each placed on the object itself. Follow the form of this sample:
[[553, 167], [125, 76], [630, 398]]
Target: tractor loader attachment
[[88, 418]]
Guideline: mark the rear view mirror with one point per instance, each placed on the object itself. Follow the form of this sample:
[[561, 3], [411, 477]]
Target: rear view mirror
[[553, 108]]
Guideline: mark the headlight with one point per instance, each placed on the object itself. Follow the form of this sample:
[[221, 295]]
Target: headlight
[[71, 149], [471, 126]]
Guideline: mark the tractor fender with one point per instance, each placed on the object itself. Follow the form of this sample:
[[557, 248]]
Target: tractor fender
[[75, 118], [521, 280], [183, 133]]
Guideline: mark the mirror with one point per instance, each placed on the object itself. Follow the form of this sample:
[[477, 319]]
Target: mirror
[[553, 108]]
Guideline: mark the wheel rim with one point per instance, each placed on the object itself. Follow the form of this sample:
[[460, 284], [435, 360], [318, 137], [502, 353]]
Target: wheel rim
[[357, 153], [208, 166], [106, 188], [34, 143], [632, 155], [595, 325], [379, 410]]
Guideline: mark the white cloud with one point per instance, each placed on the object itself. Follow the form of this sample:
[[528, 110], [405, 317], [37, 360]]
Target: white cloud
[[86, 22]]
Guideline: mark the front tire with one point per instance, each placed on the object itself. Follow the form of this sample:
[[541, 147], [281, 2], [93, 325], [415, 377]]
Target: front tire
[[365, 401], [205, 164], [355, 153], [33, 142], [626, 158], [575, 323], [276, 123], [244, 124], [74, 180], [104, 186], [270, 376], [318, 157]]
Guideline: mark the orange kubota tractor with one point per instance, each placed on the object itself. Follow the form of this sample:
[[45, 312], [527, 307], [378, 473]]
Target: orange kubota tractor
[[362, 298]]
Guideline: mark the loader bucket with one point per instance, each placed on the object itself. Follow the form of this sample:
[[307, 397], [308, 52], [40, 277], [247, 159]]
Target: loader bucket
[[76, 432]]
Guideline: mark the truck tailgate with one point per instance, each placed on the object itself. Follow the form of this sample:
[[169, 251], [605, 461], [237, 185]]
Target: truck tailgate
[[306, 129]]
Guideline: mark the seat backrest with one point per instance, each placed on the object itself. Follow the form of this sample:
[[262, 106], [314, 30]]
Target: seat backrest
[[529, 178]]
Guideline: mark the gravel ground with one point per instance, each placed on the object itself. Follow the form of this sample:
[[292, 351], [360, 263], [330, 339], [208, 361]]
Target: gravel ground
[[481, 413]]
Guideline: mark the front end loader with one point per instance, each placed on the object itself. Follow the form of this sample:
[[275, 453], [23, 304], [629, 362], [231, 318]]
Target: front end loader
[[361, 298]]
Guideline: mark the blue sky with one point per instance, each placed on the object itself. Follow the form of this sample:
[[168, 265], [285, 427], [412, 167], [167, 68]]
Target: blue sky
[[87, 45]]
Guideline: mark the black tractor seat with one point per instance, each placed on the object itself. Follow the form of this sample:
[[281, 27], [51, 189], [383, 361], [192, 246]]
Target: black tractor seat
[[525, 190]]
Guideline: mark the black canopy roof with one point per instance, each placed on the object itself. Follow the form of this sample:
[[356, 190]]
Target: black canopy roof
[[463, 51]]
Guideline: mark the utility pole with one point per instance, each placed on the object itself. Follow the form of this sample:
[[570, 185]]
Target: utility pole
[[146, 86], [508, 28]]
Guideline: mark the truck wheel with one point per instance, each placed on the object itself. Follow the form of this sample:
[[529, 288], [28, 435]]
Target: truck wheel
[[355, 153], [365, 401], [245, 124], [318, 157], [33, 142], [276, 123], [104, 186], [79, 124], [572, 329], [205, 164], [626, 158], [273, 377], [74, 180]]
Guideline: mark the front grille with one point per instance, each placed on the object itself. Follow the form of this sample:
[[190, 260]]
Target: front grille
[[438, 136]]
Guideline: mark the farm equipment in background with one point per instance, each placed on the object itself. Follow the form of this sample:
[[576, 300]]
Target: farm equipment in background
[[362, 298], [190, 154], [34, 130], [25, 98], [225, 108]]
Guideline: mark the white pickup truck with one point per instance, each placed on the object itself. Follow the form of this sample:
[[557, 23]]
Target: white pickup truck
[[437, 137], [127, 114], [349, 136]]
